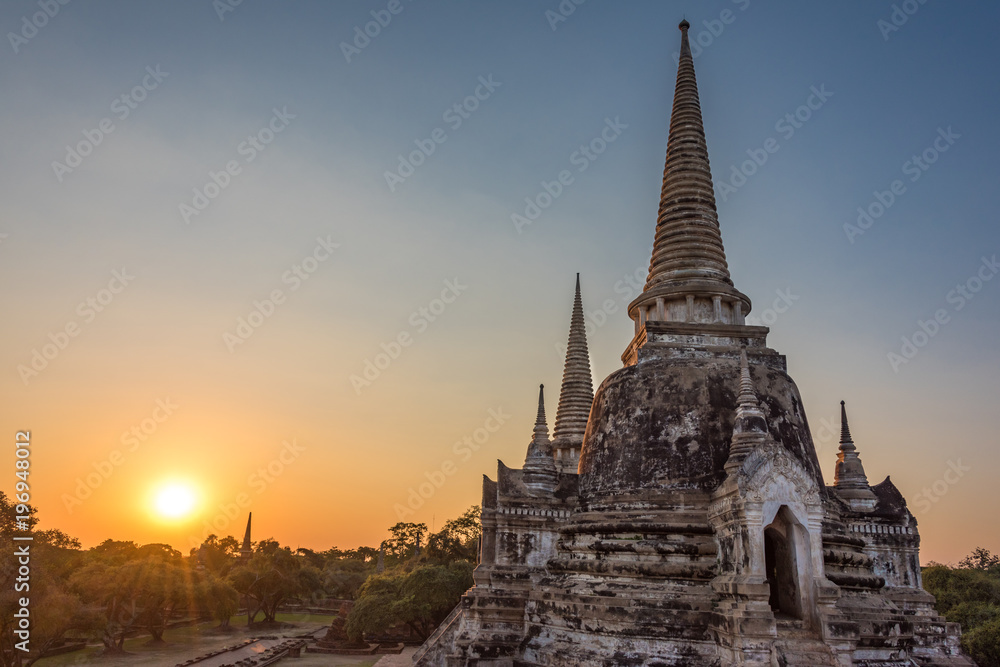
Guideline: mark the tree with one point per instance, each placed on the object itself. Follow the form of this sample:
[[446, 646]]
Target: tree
[[405, 540], [421, 599], [273, 576], [217, 555], [983, 644], [458, 540], [54, 609], [343, 578], [139, 594], [980, 559], [218, 597], [970, 595]]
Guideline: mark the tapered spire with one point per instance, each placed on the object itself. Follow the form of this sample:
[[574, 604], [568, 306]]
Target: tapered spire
[[539, 466], [845, 430], [246, 550], [577, 392], [541, 430], [688, 242], [849, 477], [688, 277], [750, 427]]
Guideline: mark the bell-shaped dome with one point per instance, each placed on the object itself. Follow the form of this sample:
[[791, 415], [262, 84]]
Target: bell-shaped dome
[[667, 421]]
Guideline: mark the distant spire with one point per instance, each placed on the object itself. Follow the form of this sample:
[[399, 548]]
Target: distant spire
[[845, 430], [849, 476], [750, 427], [539, 466], [246, 549], [688, 278], [380, 565], [577, 392], [540, 422]]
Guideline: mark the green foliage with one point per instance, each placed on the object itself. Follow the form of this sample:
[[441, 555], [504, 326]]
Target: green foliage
[[458, 540], [54, 609], [421, 599], [217, 554], [121, 589], [343, 578], [980, 559], [970, 595], [141, 593], [405, 540], [983, 644], [273, 576]]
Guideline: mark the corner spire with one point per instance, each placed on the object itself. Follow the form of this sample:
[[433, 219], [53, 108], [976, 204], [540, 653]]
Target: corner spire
[[849, 478], [750, 427], [688, 277], [539, 466], [577, 393]]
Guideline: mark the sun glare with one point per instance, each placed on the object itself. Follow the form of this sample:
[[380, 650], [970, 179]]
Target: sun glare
[[174, 501]]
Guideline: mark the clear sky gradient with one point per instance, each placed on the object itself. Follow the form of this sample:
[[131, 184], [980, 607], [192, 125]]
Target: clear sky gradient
[[278, 138]]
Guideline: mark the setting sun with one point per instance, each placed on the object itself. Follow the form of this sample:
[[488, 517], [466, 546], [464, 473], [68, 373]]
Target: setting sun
[[174, 501]]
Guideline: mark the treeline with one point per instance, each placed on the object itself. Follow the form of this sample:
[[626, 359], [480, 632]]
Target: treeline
[[970, 594], [119, 589]]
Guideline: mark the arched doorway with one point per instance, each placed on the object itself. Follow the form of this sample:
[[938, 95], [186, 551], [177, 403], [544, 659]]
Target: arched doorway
[[781, 565]]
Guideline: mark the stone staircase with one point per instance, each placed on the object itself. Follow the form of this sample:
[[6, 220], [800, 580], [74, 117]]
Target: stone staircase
[[798, 647]]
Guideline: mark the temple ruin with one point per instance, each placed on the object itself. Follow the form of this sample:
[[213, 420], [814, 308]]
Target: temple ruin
[[679, 517]]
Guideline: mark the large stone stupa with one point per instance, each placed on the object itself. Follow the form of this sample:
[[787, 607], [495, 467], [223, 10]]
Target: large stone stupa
[[686, 522]]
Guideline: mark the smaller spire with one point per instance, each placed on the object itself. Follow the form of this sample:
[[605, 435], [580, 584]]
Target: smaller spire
[[540, 416], [539, 466], [577, 393], [849, 476], [749, 416], [380, 565], [750, 427], [845, 430]]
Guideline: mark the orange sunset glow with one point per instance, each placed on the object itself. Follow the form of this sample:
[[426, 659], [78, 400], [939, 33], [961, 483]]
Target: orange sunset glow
[[193, 334]]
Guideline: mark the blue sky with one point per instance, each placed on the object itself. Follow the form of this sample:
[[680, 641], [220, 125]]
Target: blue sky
[[554, 86]]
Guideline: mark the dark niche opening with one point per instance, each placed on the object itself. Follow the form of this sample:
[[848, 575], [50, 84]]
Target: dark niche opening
[[781, 566]]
